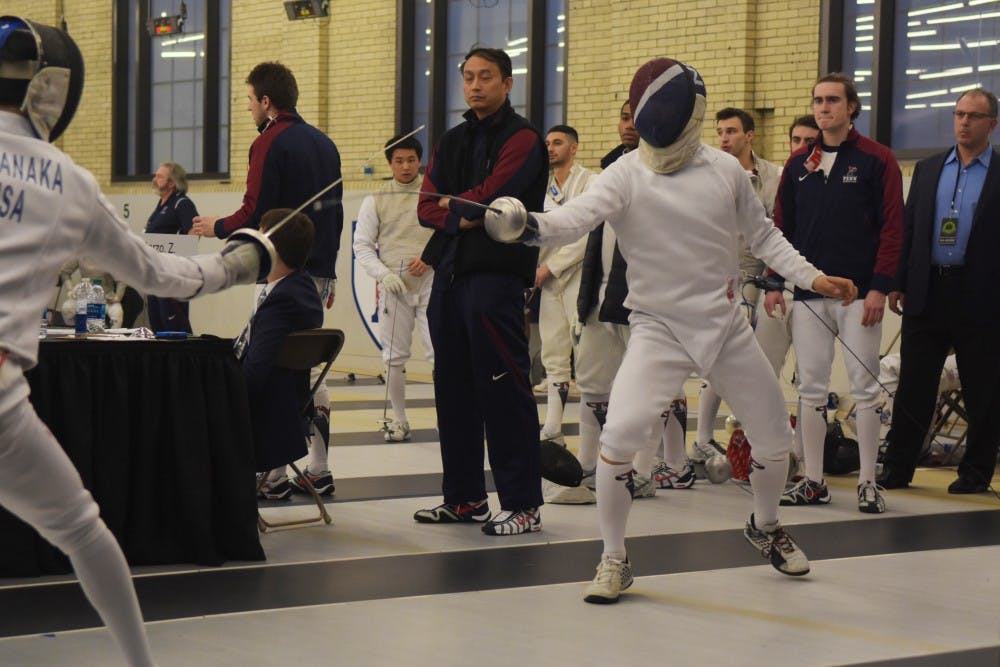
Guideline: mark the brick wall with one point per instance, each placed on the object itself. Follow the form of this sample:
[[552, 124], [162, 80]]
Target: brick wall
[[760, 55]]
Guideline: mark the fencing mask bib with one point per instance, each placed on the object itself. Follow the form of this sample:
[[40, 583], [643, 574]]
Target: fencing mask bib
[[41, 73]]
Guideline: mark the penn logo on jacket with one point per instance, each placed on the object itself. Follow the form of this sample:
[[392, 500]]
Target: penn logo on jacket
[[851, 176]]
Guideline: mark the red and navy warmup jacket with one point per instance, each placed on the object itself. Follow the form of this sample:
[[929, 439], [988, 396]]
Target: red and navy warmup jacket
[[480, 160], [290, 162], [849, 222]]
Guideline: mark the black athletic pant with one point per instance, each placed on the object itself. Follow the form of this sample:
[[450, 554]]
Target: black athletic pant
[[482, 386]]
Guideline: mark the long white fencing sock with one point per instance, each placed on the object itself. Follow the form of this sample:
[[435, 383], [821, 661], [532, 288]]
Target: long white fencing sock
[[869, 422], [708, 408], [615, 485], [812, 423], [674, 451], [767, 479], [593, 410], [105, 579], [395, 380], [558, 393]]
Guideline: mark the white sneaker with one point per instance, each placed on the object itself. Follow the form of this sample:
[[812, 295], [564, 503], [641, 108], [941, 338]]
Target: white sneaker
[[778, 547], [701, 452], [567, 495], [508, 522], [870, 498], [643, 487], [557, 438], [397, 432], [613, 577]]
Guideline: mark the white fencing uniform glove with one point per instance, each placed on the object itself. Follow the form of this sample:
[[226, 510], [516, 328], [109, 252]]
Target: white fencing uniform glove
[[508, 221], [393, 284]]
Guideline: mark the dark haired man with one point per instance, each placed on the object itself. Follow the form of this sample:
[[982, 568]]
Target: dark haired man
[[387, 244], [558, 278], [289, 302], [841, 206], [476, 311], [943, 289], [802, 132], [290, 162]]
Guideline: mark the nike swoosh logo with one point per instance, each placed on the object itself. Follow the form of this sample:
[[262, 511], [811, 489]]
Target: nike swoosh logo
[[497, 377]]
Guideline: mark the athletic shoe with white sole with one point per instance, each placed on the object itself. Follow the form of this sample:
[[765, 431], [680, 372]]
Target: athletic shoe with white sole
[[870, 498], [777, 547], [643, 487], [321, 481], [701, 452], [509, 522], [589, 479], [278, 489], [557, 438], [567, 495], [668, 478], [613, 577], [806, 492], [475, 512], [397, 431]]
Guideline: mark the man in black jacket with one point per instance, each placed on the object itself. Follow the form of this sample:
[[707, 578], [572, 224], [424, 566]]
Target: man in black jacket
[[944, 291], [476, 309]]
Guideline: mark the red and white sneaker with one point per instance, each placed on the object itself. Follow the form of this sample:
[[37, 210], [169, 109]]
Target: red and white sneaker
[[514, 523]]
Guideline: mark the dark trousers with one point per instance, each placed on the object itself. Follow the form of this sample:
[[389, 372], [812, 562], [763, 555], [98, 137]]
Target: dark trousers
[[168, 314], [482, 386], [926, 341]]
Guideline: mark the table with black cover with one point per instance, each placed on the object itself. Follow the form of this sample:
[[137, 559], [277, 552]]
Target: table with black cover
[[160, 432]]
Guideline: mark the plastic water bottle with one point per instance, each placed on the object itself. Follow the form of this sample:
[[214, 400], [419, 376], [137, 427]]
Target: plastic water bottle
[[44, 330], [97, 308], [81, 295]]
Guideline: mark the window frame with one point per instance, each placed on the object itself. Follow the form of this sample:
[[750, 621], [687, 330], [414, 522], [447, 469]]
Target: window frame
[[124, 20], [437, 118]]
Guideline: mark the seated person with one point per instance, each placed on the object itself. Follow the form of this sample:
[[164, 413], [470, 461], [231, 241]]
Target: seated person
[[288, 303]]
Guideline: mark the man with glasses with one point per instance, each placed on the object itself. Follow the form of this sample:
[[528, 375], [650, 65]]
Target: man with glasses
[[943, 289]]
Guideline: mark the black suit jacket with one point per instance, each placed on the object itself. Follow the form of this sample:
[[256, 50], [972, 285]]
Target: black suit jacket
[[276, 395], [977, 296]]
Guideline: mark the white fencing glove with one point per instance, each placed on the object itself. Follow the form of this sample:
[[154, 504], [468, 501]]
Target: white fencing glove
[[393, 284]]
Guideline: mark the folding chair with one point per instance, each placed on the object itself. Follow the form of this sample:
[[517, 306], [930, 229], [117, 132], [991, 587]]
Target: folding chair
[[302, 351]]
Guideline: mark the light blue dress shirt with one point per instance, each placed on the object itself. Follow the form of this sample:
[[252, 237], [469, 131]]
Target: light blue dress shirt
[[965, 183]]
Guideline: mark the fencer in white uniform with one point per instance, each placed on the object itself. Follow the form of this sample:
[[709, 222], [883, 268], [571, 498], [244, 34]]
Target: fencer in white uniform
[[52, 210], [558, 278], [387, 244], [679, 208]]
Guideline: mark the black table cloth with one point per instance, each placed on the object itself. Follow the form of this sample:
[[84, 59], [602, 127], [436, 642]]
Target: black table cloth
[[160, 433]]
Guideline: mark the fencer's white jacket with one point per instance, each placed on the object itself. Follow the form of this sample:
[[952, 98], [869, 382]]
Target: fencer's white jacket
[[390, 221], [680, 234], [566, 262], [52, 210]]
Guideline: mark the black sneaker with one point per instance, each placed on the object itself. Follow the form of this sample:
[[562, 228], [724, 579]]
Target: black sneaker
[[322, 482], [477, 512], [278, 490]]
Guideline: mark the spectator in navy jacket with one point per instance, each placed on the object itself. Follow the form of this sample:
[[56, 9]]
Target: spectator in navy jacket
[[174, 214], [840, 204], [290, 162]]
